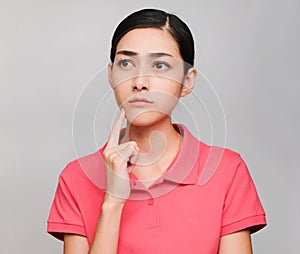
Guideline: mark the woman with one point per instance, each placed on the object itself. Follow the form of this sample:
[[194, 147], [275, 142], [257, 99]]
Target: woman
[[147, 190]]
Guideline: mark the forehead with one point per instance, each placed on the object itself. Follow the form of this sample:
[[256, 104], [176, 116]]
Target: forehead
[[149, 40]]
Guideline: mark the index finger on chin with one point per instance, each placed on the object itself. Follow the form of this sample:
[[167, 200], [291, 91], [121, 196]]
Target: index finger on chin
[[113, 140]]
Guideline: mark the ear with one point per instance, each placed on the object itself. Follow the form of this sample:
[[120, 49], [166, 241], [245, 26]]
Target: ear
[[109, 73], [188, 82]]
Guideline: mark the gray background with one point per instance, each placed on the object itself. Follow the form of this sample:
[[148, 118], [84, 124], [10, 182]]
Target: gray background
[[249, 50]]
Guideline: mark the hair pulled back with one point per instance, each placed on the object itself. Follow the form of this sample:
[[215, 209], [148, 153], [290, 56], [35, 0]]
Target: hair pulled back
[[153, 18]]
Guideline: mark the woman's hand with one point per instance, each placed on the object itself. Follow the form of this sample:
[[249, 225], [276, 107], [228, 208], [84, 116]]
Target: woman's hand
[[119, 160]]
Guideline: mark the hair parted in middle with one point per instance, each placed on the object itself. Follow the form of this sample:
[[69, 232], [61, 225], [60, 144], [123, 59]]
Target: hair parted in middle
[[154, 18]]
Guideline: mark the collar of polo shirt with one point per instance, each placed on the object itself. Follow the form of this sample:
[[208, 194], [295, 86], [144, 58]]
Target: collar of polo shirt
[[182, 170]]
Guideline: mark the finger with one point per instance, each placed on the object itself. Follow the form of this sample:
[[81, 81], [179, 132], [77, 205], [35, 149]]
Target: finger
[[113, 140], [132, 161], [127, 150]]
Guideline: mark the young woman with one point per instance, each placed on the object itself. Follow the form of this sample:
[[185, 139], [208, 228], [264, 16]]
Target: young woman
[[153, 187]]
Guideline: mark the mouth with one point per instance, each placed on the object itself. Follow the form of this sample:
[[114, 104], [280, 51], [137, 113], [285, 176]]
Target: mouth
[[140, 102]]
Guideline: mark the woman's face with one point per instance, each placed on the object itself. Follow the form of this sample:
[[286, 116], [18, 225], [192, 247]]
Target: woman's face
[[147, 75]]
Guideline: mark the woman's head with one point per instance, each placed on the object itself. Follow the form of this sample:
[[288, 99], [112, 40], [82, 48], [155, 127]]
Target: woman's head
[[152, 18], [151, 66]]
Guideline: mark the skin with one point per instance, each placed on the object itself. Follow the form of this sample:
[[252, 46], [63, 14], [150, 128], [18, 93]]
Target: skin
[[134, 146]]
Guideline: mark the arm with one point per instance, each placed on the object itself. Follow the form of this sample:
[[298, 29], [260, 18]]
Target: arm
[[117, 192], [107, 232], [75, 244], [236, 243]]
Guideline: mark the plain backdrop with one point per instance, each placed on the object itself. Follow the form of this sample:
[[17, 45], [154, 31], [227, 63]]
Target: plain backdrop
[[50, 51]]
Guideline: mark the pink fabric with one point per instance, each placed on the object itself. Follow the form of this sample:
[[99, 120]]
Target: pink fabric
[[185, 211]]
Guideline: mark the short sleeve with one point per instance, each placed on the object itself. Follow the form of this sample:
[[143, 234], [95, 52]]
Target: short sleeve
[[242, 207], [65, 215]]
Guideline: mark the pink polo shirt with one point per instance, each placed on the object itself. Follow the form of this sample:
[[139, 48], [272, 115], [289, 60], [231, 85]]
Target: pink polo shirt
[[207, 192]]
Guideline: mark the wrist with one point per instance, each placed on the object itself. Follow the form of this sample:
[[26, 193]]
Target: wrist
[[113, 202]]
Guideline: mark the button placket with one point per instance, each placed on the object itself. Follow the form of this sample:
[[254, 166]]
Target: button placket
[[151, 207]]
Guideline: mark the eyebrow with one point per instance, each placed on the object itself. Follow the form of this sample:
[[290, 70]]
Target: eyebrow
[[132, 53]]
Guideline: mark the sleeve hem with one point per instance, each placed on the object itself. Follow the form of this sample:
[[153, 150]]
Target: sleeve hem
[[57, 230], [253, 223]]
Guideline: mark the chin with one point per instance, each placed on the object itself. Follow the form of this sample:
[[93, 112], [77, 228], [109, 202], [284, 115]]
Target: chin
[[146, 119]]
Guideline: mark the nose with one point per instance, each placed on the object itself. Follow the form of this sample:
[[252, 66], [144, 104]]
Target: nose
[[140, 84]]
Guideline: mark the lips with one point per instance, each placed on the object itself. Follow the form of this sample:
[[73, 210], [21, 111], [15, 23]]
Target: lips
[[140, 102]]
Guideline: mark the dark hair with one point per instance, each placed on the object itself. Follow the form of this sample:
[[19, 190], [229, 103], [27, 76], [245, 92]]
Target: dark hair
[[153, 18]]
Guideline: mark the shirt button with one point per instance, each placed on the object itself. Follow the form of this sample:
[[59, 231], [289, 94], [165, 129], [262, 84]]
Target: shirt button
[[150, 201]]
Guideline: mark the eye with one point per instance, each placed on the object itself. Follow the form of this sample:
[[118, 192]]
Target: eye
[[125, 63], [161, 65]]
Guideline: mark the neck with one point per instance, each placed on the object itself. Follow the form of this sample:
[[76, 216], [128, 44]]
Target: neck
[[158, 145], [152, 137]]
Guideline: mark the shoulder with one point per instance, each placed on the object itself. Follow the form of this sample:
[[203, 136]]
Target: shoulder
[[207, 153], [224, 154], [87, 168], [212, 160], [218, 160]]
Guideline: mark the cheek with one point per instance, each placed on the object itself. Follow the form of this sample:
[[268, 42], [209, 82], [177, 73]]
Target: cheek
[[121, 94], [118, 97], [170, 88], [166, 101]]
